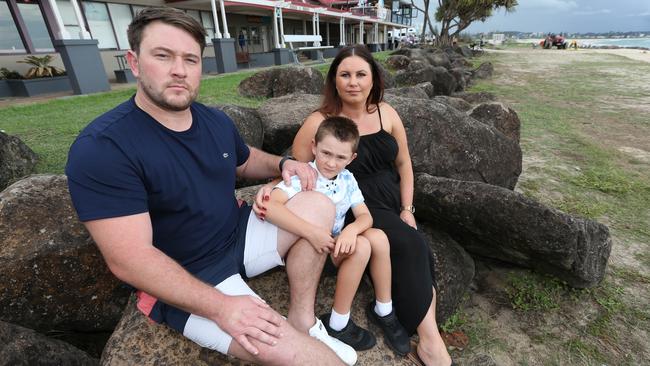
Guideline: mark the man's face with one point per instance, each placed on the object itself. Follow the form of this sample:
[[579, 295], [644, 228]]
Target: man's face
[[332, 155], [168, 66]]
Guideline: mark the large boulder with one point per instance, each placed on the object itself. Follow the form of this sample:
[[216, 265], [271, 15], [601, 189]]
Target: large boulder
[[248, 123], [414, 74], [417, 91], [444, 82], [484, 71], [16, 159], [448, 143], [24, 347], [440, 59], [476, 97], [498, 223], [389, 79], [499, 116], [398, 62], [279, 81], [454, 271], [453, 102], [54, 277], [282, 117], [463, 77]]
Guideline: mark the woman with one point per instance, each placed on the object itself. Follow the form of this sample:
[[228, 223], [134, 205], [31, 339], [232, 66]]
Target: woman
[[354, 89]]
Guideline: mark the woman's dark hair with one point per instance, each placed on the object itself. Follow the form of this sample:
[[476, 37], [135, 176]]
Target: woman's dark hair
[[332, 104], [167, 15]]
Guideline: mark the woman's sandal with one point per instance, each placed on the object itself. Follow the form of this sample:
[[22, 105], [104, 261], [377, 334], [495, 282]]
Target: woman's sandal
[[415, 359]]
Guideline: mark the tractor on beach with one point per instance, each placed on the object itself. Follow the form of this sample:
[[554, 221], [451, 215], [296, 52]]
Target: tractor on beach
[[554, 40]]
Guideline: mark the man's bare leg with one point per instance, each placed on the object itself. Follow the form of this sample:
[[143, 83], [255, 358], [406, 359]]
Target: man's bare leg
[[304, 264], [293, 348], [431, 348]]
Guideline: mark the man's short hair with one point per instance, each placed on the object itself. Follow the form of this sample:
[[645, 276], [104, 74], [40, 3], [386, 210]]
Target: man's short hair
[[342, 128], [167, 15]]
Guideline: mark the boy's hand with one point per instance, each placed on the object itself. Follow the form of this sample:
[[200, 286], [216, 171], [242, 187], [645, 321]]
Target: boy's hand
[[322, 241], [345, 243]]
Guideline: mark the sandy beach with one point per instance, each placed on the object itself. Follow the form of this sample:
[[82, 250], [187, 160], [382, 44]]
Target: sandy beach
[[640, 55]]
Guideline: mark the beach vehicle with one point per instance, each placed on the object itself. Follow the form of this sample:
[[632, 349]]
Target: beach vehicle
[[554, 40]]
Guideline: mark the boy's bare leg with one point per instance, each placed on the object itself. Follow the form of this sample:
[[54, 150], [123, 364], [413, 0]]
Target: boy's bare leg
[[293, 348], [431, 348], [380, 267], [304, 264], [349, 275]]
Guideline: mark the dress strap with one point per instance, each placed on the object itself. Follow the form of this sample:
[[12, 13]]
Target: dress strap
[[379, 112]]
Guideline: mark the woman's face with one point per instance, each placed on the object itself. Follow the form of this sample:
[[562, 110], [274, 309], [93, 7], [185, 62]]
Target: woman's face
[[353, 80]]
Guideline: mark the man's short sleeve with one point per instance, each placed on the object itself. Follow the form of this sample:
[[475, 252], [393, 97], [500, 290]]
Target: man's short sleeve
[[102, 181], [292, 190]]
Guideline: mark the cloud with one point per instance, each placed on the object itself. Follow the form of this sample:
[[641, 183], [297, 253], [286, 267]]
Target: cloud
[[592, 12], [555, 5]]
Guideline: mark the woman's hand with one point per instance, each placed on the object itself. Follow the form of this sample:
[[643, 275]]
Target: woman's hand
[[408, 218], [263, 195]]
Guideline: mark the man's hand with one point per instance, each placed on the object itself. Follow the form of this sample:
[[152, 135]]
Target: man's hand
[[304, 171], [322, 241], [407, 217], [247, 317], [345, 243]]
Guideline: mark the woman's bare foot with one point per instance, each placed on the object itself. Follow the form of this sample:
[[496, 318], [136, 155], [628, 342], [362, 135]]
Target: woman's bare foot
[[434, 355]]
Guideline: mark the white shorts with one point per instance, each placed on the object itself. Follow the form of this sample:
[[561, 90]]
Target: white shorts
[[260, 255]]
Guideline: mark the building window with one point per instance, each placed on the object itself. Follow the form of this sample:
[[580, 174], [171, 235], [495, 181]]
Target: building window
[[69, 19], [121, 16], [10, 41], [99, 24], [36, 28]]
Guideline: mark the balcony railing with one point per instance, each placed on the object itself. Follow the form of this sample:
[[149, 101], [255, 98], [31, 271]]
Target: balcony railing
[[371, 11]]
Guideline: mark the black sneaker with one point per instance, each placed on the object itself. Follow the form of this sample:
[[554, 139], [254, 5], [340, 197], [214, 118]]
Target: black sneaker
[[353, 335], [394, 333]]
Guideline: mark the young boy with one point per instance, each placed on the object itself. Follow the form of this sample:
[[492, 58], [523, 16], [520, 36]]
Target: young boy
[[334, 147]]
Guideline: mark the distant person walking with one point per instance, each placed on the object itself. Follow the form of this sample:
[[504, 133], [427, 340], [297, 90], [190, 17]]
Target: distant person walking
[[242, 40]]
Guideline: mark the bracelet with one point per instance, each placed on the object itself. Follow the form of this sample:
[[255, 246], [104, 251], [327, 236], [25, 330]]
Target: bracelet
[[284, 159], [410, 209]]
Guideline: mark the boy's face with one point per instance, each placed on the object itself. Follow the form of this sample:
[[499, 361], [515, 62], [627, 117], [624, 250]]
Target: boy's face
[[332, 155]]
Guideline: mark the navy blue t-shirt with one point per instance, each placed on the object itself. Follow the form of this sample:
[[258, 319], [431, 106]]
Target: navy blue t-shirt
[[125, 163]]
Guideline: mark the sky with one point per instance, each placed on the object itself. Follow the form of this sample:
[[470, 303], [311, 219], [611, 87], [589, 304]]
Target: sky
[[569, 16]]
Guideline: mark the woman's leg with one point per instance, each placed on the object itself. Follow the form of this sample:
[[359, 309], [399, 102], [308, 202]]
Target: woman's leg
[[431, 348]]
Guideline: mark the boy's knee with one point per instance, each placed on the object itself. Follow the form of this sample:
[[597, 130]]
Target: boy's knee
[[363, 248]]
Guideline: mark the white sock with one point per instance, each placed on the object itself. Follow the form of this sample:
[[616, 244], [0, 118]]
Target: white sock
[[383, 308], [339, 321]]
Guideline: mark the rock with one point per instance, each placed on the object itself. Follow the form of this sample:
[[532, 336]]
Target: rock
[[248, 123], [22, 346], [476, 98], [484, 71], [498, 223], [54, 277], [414, 74], [443, 82], [462, 76], [16, 159], [447, 143], [410, 91], [453, 102], [389, 80], [460, 62], [464, 51], [398, 62], [279, 81], [439, 59], [454, 271], [499, 116], [282, 117]]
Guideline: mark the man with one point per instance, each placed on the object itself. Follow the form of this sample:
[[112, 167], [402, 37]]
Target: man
[[153, 182]]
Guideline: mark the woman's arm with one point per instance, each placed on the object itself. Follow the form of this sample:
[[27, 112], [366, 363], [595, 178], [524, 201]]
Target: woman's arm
[[402, 163], [301, 149]]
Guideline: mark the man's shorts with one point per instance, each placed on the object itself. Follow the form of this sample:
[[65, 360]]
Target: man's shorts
[[258, 255]]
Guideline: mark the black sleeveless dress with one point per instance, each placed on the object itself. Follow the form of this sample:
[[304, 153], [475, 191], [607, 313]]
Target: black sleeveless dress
[[412, 277]]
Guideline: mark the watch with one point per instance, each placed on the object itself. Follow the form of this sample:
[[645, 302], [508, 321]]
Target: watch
[[283, 160], [410, 208]]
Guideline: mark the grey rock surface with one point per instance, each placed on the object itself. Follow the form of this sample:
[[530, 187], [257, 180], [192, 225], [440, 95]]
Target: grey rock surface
[[20, 346], [398, 62], [484, 71], [16, 159], [279, 81], [476, 97], [498, 223], [453, 102], [446, 142], [54, 277], [248, 123], [282, 117], [499, 116]]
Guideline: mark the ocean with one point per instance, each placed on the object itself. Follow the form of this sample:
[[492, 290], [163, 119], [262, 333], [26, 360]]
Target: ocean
[[621, 42]]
